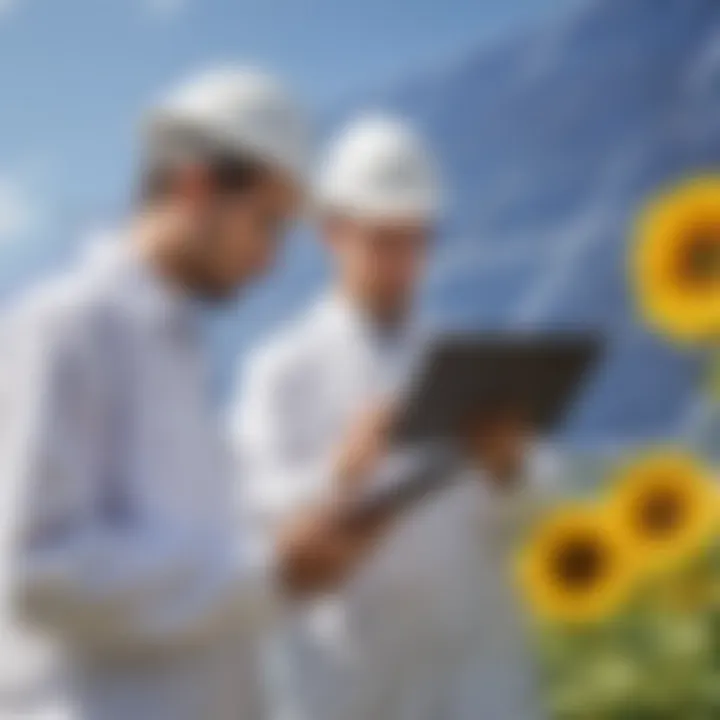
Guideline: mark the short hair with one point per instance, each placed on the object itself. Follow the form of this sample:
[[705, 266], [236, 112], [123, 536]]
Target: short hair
[[168, 149]]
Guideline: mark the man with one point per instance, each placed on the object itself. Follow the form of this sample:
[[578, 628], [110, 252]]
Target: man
[[128, 550], [426, 631]]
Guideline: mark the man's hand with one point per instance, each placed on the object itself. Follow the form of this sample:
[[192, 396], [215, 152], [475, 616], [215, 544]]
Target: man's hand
[[319, 550], [498, 442], [363, 447]]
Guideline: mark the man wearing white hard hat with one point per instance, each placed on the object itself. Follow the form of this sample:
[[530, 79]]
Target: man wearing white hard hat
[[130, 550], [426, 630]]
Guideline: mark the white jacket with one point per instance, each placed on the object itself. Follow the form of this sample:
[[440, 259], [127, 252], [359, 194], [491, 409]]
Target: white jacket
[[127, 548], [428, 630]]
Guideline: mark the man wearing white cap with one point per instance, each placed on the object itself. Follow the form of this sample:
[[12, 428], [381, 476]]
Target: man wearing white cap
[[402, 642], [128, 550]]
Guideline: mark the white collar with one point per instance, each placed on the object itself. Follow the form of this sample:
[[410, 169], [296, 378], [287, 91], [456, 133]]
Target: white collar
[[336, 310], [143, 291]]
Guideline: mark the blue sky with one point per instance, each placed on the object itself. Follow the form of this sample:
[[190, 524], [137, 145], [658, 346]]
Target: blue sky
[[75, 74]]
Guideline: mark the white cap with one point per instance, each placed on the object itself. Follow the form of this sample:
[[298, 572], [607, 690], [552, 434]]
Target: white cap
[[379, 168], [242, 110]]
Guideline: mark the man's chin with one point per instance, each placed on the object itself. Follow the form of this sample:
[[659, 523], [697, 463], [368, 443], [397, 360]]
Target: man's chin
[[217, 295]]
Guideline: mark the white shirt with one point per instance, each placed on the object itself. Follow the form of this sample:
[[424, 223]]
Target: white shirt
[[406, 640], [128, 547]]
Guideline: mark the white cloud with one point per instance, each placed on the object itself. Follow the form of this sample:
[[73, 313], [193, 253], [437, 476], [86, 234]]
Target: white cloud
[[19, 216], [159, 8]]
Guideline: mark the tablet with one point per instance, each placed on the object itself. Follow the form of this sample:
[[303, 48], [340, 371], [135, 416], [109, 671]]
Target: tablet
[[541, 374]]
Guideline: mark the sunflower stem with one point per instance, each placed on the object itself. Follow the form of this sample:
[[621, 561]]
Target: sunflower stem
[[702, 431]]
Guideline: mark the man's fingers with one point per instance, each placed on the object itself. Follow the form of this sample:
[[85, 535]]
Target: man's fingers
[[383, 416], [320, 551]]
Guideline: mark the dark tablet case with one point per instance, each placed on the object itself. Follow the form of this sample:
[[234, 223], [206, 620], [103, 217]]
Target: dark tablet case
[[542, 373]]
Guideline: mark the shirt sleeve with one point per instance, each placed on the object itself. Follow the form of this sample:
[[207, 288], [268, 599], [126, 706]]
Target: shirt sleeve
[[93, 573], [281, 469]]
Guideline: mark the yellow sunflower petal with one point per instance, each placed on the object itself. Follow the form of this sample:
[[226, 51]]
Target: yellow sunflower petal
[[665, 506], [675, 262], [574, 569]]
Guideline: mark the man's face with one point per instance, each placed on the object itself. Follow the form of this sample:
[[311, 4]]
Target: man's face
[[382, 261], [237, 234]]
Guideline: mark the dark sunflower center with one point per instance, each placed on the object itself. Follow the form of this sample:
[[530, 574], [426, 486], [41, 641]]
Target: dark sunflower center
[[700, 264], [661, 512], [579, 562]]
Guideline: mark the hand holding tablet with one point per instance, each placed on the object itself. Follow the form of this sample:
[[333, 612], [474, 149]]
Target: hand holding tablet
[[479, 397]]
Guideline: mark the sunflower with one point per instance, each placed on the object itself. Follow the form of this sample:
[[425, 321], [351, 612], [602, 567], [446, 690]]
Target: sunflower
[[665, 505], [675, 267], [574, 569]]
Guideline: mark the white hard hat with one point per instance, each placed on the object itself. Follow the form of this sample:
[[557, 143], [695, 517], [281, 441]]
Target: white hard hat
[[379, 168], [244, 111]]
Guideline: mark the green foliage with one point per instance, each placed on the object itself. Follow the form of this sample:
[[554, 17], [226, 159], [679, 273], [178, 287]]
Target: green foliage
[[660, 660]]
